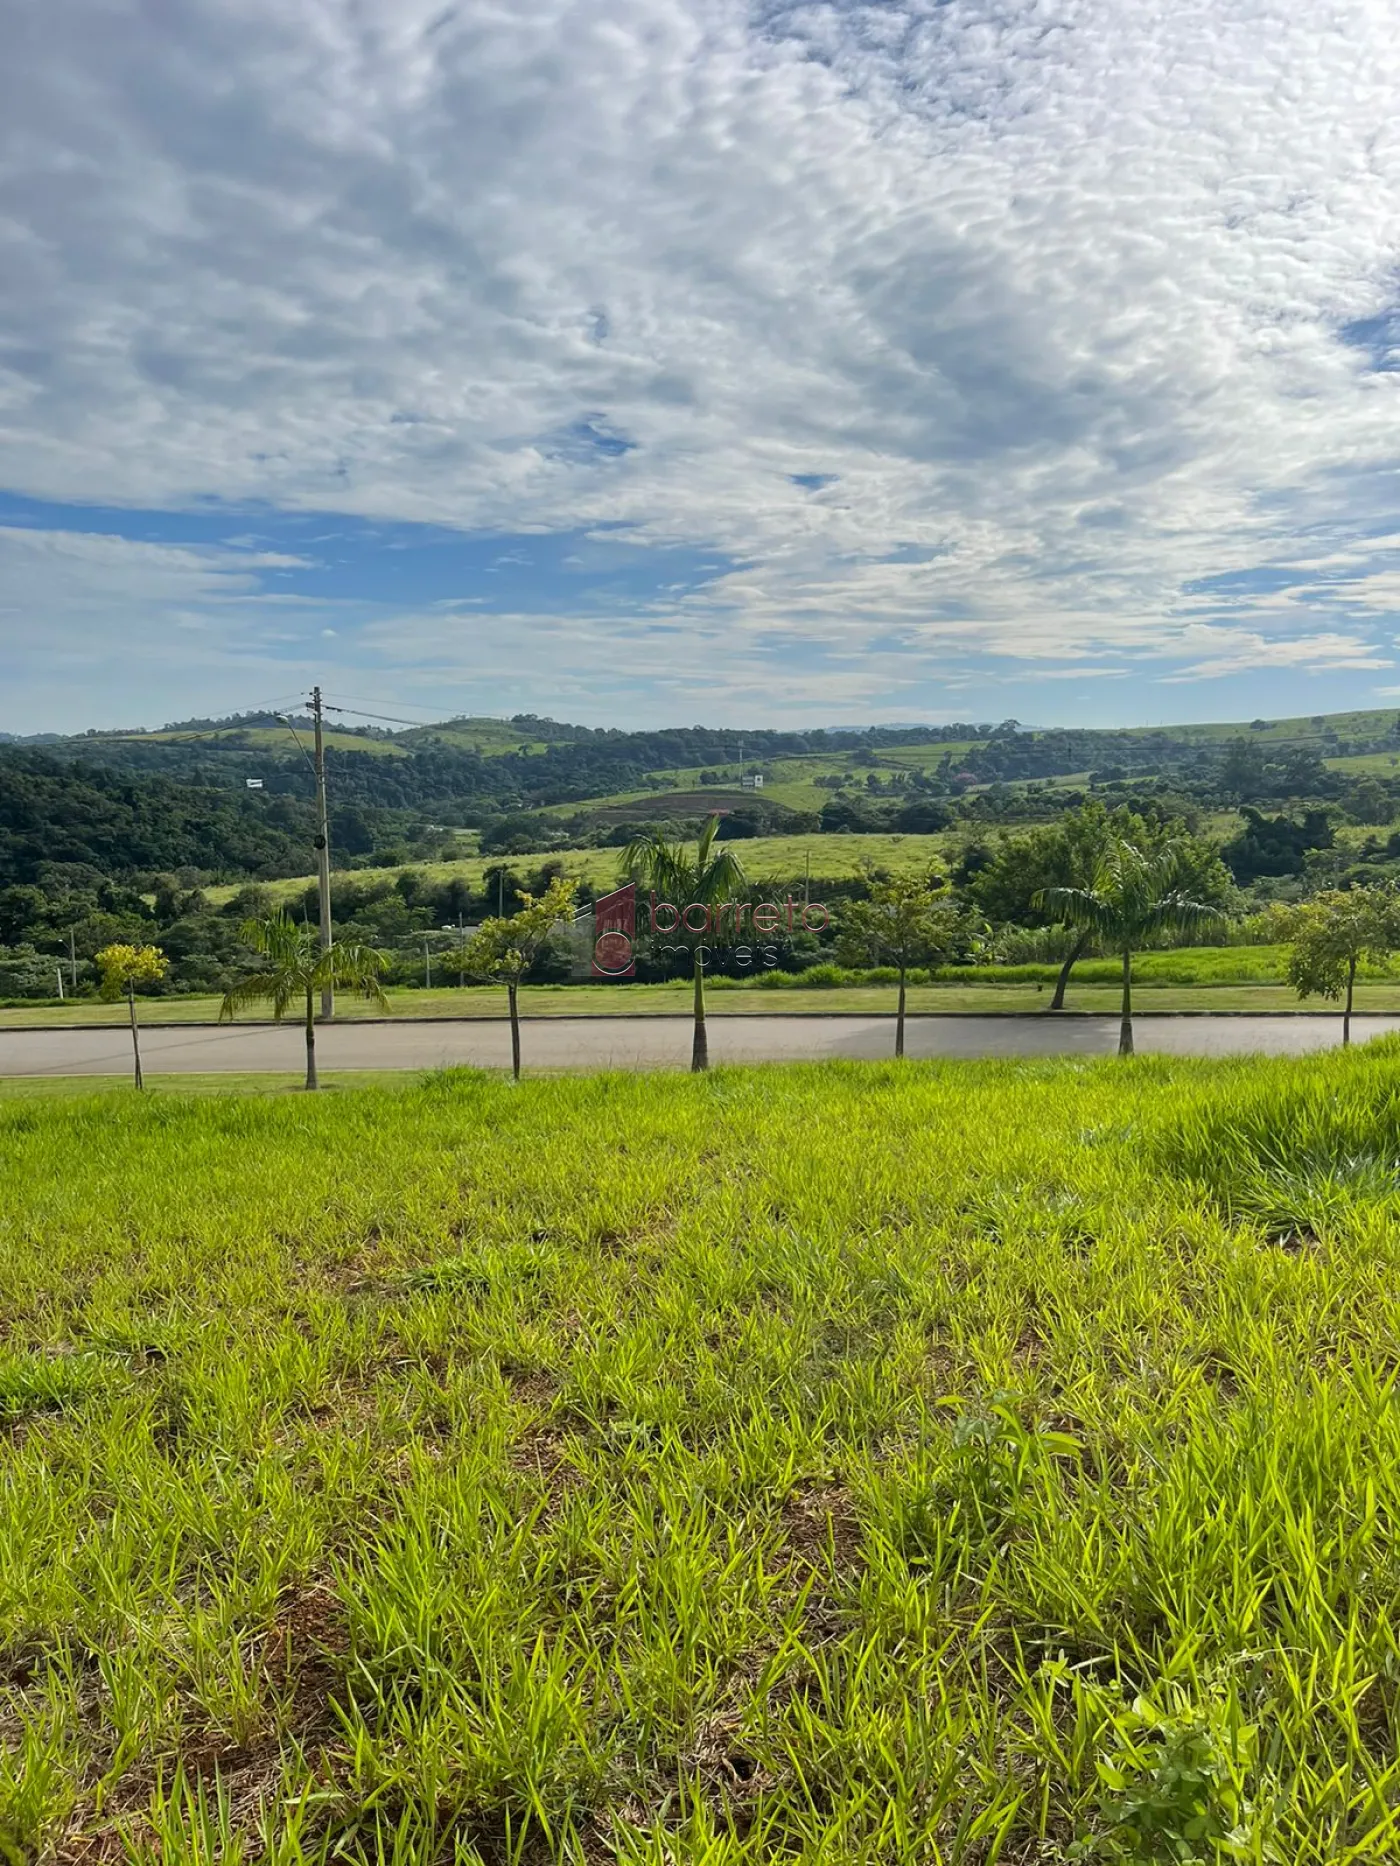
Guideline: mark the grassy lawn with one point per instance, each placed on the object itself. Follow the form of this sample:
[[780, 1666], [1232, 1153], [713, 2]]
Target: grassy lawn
[[725, 998], [24, 1088], [960, 1463]]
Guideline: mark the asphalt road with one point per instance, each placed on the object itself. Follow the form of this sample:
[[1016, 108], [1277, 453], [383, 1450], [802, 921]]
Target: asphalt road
[[651, 1042]]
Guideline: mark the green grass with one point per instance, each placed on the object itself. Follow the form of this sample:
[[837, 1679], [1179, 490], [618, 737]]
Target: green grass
[[1302, 730], [1218, 978], [860, 1464], [487, 737], [25, 1088], [1366, 764], [766, 858], [791, 782], [1182, 965], [275, 742], [1239, 978]]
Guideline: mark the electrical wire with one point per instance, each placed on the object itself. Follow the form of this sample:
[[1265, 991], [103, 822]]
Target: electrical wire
[[358, 712], [300, 747], [354, 712], [271, 706], [357, 700]]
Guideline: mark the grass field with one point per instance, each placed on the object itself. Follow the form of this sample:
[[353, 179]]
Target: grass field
[[1204, 978], [274, 742], [791, 782], [333, 1082], [766, 858], [675, 1001], [1364, 764], [489, 737], [858, 1464]]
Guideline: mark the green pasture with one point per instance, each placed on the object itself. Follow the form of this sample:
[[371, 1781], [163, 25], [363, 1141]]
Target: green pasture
[[775, 858], [273, 741], [487, 737], [966, 1464], [787, 781], [1366, 764], [1369, 722]]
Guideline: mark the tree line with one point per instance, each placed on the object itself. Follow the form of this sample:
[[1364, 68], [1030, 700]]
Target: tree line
[[1127, 884], [995, 908]]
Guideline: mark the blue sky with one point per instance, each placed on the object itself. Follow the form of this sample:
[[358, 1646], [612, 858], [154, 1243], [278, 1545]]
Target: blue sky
[[690, 360]]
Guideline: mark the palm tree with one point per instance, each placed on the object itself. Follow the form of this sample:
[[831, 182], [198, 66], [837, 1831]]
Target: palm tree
[[1132, 896], [669, 870], [298, 969]]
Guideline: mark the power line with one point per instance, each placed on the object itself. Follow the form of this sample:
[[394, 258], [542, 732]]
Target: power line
[[300, 747], [283, 699], [355, 712], [361, 700]]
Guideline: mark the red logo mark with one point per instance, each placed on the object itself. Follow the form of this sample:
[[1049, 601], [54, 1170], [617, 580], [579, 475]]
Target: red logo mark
[[614, 928]]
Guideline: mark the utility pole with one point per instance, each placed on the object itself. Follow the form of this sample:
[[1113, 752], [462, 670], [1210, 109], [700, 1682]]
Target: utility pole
[[323, 848], [461, 932], [73, 960], [427, 966]]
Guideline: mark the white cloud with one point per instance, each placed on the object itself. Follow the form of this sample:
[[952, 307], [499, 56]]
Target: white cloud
[[106, 618], [1238, 651], [1052, 292]]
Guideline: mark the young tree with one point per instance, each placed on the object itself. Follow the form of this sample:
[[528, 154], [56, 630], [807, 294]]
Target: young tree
[[1332, 933], [706, 878], [121, 969], [904, 922], [1134, 896], [298, 969], [503, 950]]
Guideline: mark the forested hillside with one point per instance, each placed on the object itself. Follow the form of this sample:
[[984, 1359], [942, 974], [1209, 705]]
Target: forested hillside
[[56, 811], [126, 805]]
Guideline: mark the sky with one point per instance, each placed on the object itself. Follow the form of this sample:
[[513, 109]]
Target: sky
[[670, 361]]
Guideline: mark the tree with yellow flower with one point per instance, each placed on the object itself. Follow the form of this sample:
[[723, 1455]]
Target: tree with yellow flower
[[122, 969]]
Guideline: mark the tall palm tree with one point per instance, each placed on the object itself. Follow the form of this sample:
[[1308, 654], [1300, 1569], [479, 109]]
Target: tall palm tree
[[672, 873], [1133, 896], [298, 969]]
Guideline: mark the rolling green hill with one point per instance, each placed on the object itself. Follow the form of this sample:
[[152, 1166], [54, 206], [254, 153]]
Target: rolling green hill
[[269, 742], [536, 786]]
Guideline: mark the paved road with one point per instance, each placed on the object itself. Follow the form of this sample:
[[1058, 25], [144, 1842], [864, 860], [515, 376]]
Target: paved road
[[651, 1042]]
